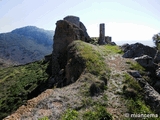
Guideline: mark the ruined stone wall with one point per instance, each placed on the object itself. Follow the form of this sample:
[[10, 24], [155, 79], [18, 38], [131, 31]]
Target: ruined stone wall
[[108, 39], [73, 19], [76, 21]]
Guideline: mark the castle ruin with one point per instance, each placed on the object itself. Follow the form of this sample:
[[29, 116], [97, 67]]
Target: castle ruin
[[102, 38], [73, 19]]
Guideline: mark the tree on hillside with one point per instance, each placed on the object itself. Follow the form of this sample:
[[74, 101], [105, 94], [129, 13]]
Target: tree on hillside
[[156, 40]]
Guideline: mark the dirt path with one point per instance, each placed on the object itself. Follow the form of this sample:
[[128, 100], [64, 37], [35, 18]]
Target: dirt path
[[116, 105]]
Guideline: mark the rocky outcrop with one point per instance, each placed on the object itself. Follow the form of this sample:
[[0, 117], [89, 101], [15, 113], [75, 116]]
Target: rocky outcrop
[[137, 50], [152, 97], [67, 31], [135, 73], [145, 61], [76, 21], [146, 56]]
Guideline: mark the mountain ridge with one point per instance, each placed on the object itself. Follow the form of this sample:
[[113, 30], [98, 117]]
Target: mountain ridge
[[43, 36], [26, 44]]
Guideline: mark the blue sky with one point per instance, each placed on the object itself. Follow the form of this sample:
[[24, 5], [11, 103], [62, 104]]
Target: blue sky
[[125, 20]]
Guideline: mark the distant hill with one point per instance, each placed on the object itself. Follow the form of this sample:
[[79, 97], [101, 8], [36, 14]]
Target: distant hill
[[24, 45], [40, 36]]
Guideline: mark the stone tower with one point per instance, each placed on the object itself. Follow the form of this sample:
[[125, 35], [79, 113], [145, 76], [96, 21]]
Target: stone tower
[[73, 19], [76, 21], [101, 40]]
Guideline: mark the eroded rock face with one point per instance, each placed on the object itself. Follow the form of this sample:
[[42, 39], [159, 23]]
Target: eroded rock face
[[67, 31], [75, 65], [151, 96]]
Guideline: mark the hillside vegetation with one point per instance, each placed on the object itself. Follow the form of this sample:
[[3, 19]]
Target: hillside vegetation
[[104, 89], [18, 84]]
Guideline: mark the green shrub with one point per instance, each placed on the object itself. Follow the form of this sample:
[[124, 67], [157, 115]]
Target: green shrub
[[44, 118], [70, 115], [98, 113]]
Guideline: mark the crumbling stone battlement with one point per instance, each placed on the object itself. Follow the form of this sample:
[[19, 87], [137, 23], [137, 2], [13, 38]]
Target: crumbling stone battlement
[[73, 19]]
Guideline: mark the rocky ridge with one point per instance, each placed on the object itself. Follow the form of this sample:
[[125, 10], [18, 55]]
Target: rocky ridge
[[89, 80]]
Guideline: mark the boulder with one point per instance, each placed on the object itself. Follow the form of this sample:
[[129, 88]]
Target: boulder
[[125, 47], [138, 50], [112, 43], [151, 96], [134, 73], [145, 61]]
